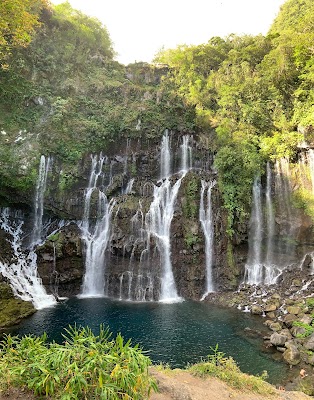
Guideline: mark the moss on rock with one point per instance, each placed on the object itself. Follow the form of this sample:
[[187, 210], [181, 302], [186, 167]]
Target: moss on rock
[[13, 310]]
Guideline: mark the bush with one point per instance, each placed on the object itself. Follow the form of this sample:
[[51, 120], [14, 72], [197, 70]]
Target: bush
[[85, 366]]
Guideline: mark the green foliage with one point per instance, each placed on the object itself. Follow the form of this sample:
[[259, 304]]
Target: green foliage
[[191, 239], [310, 303], [190, 206], [18, 21], [254, 91], [308, 329], [225, 368], [238, 166], [54, 237], [304, 199], [85, 366]]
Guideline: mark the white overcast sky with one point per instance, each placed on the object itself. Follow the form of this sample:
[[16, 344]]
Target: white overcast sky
[[139, 28]]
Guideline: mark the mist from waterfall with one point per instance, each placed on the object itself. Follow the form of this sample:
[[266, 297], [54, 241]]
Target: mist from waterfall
[[207, 223], [95, 232]]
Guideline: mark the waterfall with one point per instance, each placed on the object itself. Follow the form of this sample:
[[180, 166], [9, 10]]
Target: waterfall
[[311, 165], [95, 235], [165, 157], [39, 200], [283, 189], [186, 153], [22, 273], [270, 219], [262, 266], [158, 224], [253, 268], [129, 187], [206, 219]]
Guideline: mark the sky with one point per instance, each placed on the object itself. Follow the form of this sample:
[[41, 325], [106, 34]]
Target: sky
[[139, 28]]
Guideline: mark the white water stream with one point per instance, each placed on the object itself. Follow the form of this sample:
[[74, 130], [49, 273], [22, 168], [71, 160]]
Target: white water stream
[[22, 272], [39, 200], [206, 219], [95, 234]]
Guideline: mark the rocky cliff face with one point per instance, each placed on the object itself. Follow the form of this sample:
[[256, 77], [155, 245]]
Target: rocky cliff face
[[133, 259]]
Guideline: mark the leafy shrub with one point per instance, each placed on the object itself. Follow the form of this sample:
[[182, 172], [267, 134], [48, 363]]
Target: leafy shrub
[[310, 303], [85, 366]]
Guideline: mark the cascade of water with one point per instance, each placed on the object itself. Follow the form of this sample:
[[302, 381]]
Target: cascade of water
[[120, 286], [22, 273], [158, 223], [282, 186], [206, 219], [303, 164], [186, 153], [270, 219], [95, 236], [39, 200], [129, 186], [165, 157], [311, 165], [253, 267]]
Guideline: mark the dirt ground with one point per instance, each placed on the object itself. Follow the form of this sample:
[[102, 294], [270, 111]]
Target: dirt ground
[[181, 385]]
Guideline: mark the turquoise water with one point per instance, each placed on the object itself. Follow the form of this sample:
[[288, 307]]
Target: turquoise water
[[176, 334]]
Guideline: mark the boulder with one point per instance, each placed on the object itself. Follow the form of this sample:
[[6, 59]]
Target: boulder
[[281, 349], [310, 359], [277, 339], [295, 310], [256, 309], [297, 283], [292, 355], [298, 331], [275, 326], [309, 344], [289, 319], [270, 307], [306, 319]]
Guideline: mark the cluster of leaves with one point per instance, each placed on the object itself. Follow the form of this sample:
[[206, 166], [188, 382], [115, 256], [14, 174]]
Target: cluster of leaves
[[255, 92], [85, 366], [310, 303], [308, 329], [226, 369], [19, 19]]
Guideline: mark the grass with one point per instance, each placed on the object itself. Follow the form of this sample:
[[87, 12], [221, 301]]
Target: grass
[[85, 366], [225, 368]]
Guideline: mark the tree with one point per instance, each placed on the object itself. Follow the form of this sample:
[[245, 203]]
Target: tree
[[18, 21]]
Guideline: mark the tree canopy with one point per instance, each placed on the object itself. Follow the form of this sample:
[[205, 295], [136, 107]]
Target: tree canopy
[[256, 92], [18, 21]]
